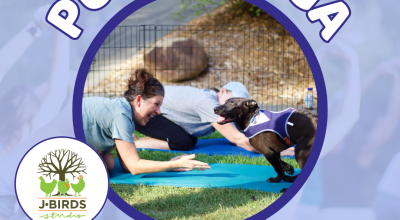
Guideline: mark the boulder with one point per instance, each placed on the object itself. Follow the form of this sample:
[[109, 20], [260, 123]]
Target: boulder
[[176, 59]]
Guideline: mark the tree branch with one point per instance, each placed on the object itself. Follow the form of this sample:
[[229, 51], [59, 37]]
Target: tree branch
[[69, 158], [64, 154], [54, 164], [74, 164], [77, 171]]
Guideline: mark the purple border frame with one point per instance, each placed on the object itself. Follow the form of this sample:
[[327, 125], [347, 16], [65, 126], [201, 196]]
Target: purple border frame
[[15, 179], [304, 45]]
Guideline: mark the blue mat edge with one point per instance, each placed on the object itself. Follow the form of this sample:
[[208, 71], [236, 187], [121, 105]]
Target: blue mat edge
[[211, 153]]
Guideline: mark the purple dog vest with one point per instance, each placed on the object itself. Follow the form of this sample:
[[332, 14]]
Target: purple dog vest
[[270, 121]]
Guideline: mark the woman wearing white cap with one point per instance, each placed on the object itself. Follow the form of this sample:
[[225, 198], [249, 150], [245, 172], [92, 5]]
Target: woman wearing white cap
[[188, 113]]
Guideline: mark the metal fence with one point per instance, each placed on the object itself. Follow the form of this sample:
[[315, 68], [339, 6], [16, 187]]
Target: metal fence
[[267, 61]]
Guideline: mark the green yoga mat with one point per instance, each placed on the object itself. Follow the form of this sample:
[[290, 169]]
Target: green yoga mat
[[220, 176]]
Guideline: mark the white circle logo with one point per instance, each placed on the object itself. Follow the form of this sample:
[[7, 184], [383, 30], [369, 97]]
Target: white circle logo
[[61, 178]]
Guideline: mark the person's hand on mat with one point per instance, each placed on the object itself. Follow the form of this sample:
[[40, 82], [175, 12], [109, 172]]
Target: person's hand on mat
[[288, 152], [187, 163], [179, 169]]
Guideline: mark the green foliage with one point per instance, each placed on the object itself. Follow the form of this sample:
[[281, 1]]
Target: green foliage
[[238, 7], [199, 7]]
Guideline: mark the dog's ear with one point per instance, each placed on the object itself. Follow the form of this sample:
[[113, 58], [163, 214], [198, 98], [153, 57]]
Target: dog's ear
[[250, 103]]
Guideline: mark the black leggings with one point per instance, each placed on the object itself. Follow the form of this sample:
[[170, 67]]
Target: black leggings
[[163, 129]]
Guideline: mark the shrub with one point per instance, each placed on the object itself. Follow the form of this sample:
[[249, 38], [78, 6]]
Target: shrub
[[238, 7]]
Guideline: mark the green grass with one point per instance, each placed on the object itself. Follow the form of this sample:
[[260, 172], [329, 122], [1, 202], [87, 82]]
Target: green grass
[[164, 202], [167, 202], [139, 134]]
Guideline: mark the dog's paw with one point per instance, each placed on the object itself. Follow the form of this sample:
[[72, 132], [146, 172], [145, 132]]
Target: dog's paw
[[289, 179], [289, 169], [274, 180]]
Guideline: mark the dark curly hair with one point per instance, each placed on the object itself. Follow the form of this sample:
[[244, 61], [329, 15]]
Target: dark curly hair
[[143, 83]]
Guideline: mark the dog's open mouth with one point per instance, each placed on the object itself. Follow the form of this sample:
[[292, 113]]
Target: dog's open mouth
[[225, 119]]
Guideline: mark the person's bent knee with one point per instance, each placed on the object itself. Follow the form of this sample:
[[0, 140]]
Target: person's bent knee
[[109, 160], [183, 145]]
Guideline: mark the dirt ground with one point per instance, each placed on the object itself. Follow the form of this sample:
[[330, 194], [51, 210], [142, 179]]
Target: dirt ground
[[256, 51]]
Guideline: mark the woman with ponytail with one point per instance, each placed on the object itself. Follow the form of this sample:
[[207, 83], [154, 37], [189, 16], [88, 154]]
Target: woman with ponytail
[[110, 123]]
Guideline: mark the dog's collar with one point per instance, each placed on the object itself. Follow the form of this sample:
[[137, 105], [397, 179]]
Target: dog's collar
[[253, 119]]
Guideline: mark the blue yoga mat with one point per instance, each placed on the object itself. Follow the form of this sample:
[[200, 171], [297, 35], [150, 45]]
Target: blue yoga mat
[[219, 176], [219, 146]]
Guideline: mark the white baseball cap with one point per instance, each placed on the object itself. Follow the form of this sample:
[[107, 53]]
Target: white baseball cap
[[238, 90]]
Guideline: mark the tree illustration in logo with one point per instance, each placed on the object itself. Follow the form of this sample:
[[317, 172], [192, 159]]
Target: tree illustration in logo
[[61, 162]]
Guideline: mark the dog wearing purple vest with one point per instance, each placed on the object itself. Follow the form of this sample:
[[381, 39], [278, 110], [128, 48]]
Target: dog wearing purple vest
[[272, 132]]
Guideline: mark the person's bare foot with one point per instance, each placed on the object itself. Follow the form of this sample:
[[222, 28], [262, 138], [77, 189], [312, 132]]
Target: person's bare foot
[[288, 152]]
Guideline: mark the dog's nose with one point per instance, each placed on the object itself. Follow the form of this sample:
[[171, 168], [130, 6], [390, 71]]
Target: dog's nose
[[216, 109]]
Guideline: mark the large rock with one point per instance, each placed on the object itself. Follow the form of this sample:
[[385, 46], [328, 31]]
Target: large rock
[[176, 59]]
